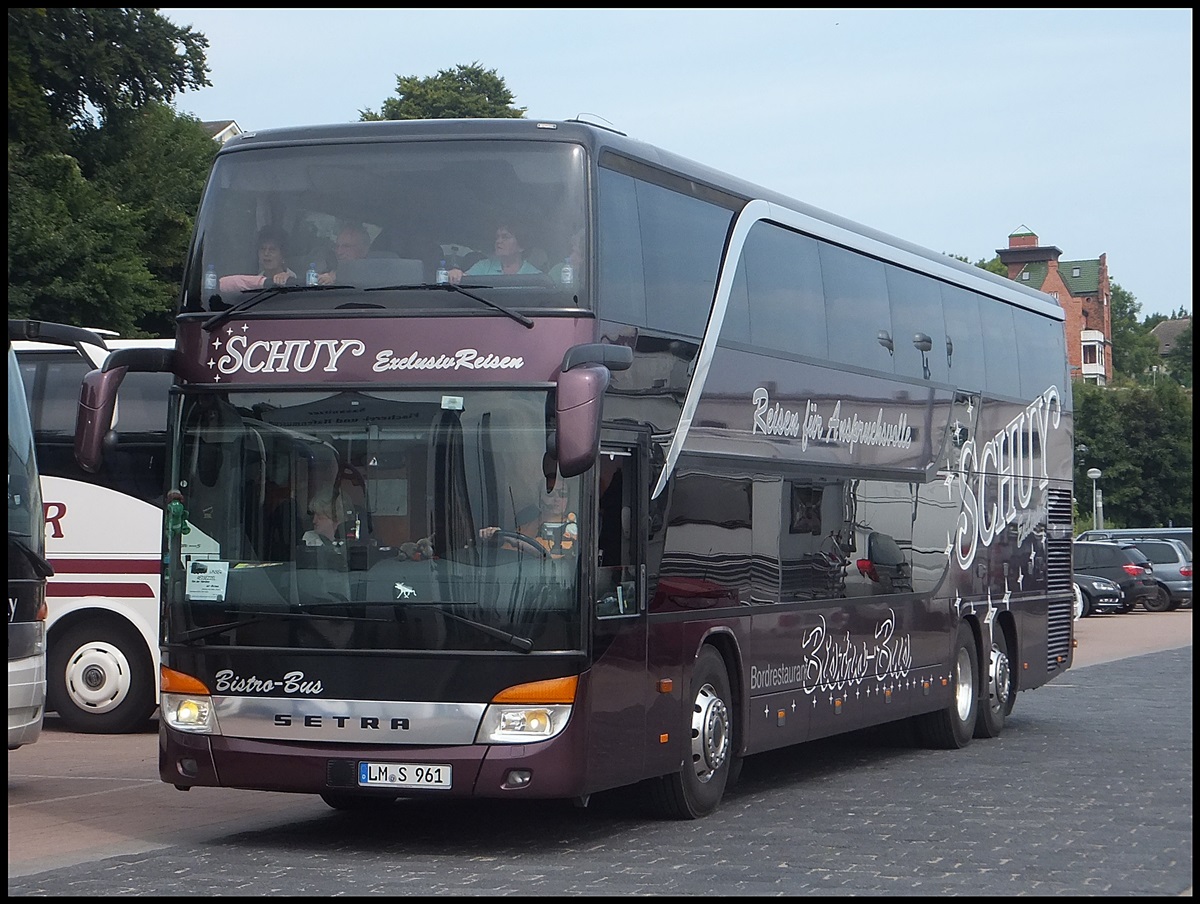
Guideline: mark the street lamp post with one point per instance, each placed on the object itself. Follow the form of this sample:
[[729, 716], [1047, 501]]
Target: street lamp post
[[1094, 474]]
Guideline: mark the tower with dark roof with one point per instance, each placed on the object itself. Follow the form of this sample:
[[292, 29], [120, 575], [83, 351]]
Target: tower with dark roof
[[1081, 287]]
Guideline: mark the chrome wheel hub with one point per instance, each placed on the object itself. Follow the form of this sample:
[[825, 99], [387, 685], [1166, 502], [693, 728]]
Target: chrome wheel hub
[[710, 733]]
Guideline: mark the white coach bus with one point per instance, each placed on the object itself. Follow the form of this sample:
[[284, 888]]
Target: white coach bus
[[103, 538]]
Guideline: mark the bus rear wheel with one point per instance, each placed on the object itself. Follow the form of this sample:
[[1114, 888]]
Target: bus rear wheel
[[99, 679], [696, 789], [953, 726], [999, 690]]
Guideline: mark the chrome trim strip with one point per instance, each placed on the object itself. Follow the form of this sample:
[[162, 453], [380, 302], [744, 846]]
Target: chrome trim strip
[[348, 721]]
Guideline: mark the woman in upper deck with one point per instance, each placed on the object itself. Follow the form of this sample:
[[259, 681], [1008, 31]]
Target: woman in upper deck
[[272, 262], [508, 257]]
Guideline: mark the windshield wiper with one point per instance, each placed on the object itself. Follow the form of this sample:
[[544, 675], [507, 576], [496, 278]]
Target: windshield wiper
[[256, 617], [524, 644], [262, 295], [451, 287]]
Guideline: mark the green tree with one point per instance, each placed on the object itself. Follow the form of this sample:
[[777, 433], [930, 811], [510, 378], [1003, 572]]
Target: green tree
[[464, 92], [1140, 438], [1179, 358], [1135, 351], [104, 177], [68, 66], [156, 162], [993, 266], [73, 250]]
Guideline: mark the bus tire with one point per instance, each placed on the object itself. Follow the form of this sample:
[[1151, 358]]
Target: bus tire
[[99, 678], [696, 789], [999, 691], [953, 726]]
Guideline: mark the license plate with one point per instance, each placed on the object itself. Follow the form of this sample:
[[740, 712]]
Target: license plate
[[404, 775]]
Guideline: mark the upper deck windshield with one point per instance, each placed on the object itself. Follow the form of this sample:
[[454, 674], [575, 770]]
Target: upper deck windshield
[[501, 218], [410, 520]]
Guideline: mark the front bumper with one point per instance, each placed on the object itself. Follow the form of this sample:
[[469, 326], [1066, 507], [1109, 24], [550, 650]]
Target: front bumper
[[26, 699]]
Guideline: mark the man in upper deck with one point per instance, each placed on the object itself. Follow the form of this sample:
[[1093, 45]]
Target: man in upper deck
[[353, 244]]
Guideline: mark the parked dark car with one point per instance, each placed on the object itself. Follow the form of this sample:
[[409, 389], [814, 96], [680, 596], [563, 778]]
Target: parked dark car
[[1123, 564], [1172, 562], [1097, 594]]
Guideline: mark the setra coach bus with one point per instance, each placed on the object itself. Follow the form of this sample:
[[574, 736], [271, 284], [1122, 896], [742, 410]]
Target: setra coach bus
[[588, 467]]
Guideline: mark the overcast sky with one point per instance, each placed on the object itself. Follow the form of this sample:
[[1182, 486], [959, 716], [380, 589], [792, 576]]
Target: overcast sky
[[949, 128]]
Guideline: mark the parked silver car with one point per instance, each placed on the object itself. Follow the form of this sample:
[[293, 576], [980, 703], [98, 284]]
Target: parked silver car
[[1172, 561]]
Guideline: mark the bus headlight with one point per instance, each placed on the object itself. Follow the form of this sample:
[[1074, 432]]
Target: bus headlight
[[506, 723], [189, 712]]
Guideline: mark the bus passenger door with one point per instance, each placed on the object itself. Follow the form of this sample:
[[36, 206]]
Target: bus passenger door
[[618, 694]]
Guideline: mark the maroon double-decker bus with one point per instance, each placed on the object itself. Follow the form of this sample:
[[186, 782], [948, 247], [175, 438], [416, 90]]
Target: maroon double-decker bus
[[522, 459]]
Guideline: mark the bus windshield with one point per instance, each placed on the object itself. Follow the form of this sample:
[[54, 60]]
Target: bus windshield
[[361, 221], [406, 520]]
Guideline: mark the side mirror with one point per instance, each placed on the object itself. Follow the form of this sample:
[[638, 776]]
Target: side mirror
[[584, 376], [577, 407], [97, 401], [98, 398]]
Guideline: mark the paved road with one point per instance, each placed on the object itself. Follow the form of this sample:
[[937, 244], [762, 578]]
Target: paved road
[[1089, 791]]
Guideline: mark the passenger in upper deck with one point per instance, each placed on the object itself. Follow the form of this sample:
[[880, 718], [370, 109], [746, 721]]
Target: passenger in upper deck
[[353, 244], [273, 268], [509, 257]]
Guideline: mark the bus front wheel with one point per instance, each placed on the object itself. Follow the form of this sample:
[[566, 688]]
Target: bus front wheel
[[696, 789], [99, 678]]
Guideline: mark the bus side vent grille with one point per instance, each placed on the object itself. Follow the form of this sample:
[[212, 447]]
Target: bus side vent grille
[[1059, 589], [1058, 543], [1058, 633]]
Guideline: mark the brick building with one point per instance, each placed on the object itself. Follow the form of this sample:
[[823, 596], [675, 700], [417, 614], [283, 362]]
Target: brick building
[[1081, 287]]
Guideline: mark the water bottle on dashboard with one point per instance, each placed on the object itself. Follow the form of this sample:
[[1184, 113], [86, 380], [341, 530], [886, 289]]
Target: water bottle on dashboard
[[210, 280], [310, 278], [443, 275]]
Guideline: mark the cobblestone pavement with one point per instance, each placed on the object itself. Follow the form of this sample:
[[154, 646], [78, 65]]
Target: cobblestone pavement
[[1088, 791]]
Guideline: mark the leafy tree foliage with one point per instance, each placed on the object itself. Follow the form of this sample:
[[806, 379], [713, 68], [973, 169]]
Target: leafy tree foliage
[[156, 162], [64, 63], [993, 266], [104, 177], [1179, 358], [73, 249], [1140, 437], [464, 92], [1135, 351]]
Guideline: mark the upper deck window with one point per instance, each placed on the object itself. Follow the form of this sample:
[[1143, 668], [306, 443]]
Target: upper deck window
[[411, 208]]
